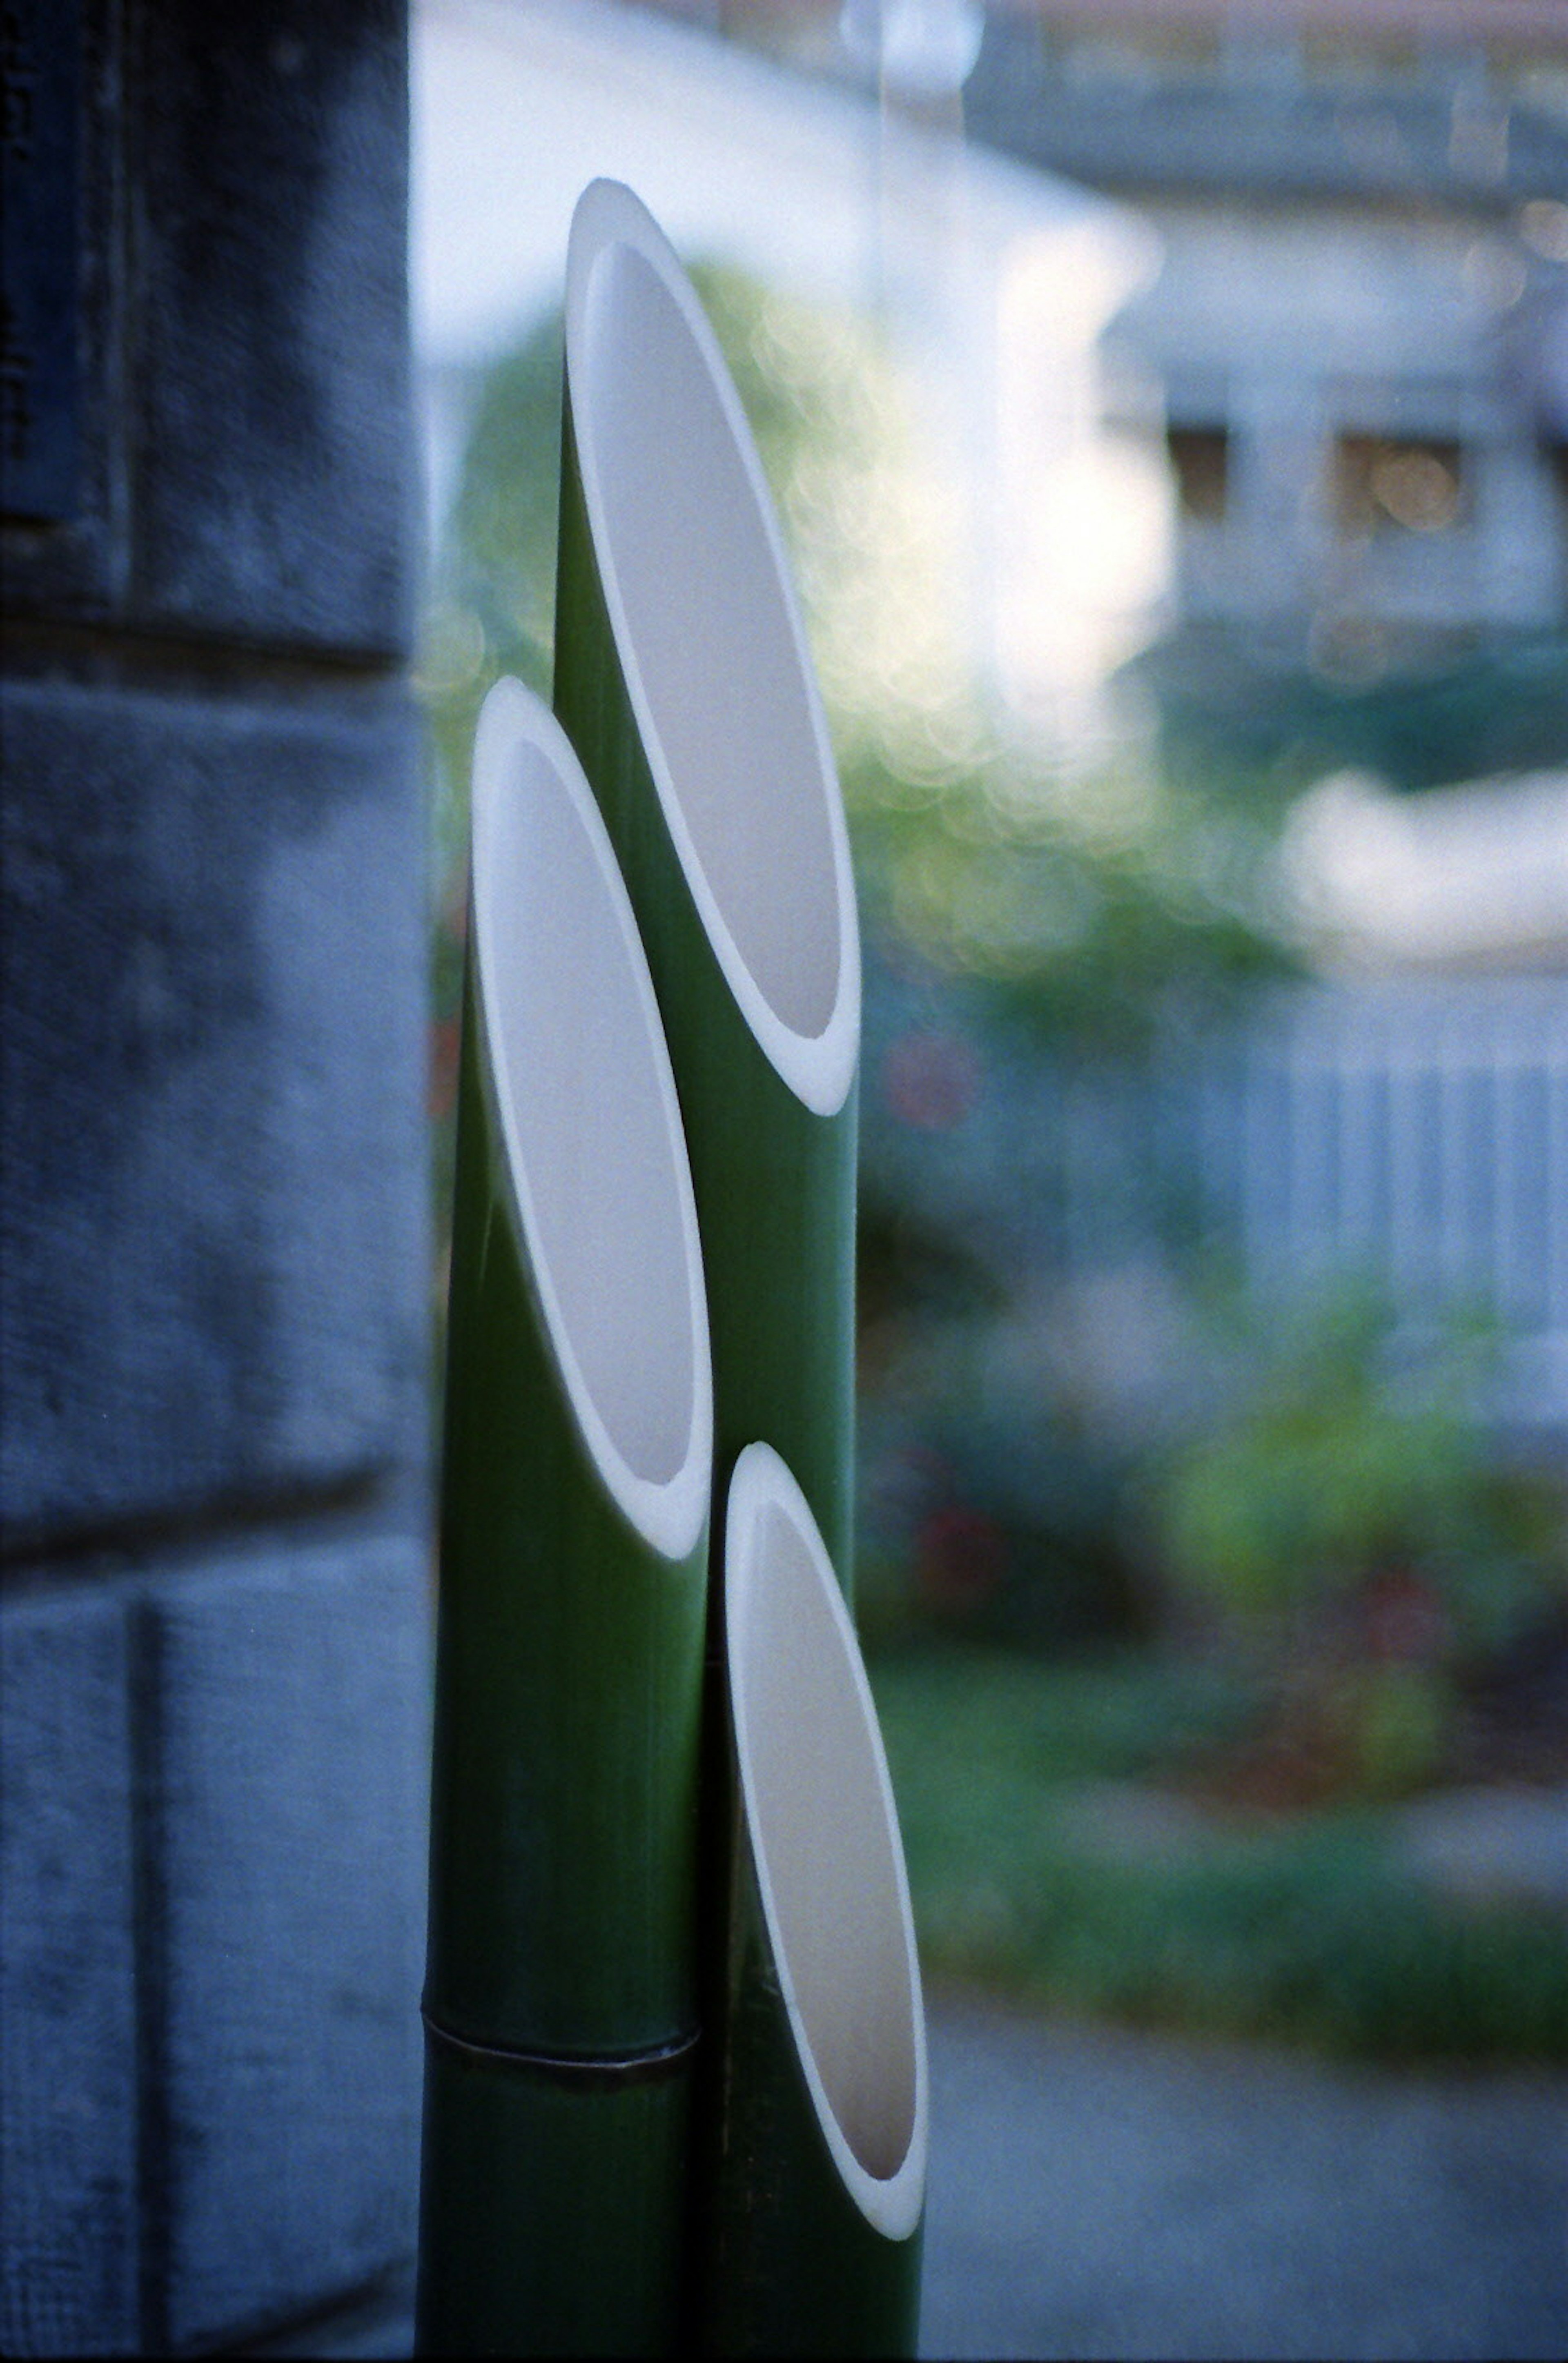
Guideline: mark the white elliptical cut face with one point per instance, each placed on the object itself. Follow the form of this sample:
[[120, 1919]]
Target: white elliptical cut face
[[591, 1125], [824, 1834], [711, 643]]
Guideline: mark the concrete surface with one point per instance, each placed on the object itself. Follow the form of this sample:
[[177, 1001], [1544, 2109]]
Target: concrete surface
[[214, 1180], [287, 1943], [1100, 2193], [67, 2052], [212, 1268]]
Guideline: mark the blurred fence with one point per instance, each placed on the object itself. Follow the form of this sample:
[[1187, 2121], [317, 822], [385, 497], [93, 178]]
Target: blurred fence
[[1414, 1134], [1417, 1134]]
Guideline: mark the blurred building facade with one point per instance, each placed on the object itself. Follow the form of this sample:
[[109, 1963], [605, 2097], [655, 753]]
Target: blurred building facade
[[1356, 352], [213, 1590], [1352, 360], [1355, 358]]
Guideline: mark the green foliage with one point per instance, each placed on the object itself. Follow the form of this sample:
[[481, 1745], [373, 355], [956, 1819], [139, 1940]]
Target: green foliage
[[1007, 1725], [1334, 1470], [1306, 1929], [1086, 901], [492, 606], [818, 399], [1346, 1516], [1089, 910], [991, 1513], [1399, 1717], [1468, 712]]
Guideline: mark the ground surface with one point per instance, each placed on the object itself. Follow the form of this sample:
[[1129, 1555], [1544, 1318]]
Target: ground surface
[[1101, 2192]]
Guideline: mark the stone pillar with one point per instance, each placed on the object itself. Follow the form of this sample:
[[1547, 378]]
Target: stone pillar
[[214, 1272]]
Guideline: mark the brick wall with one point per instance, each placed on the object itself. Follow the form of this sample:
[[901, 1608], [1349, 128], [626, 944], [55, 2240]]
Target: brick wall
[[212, 1266]]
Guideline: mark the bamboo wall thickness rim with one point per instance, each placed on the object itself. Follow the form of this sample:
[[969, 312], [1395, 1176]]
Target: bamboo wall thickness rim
[[693, 567], [820, 1818], [550, 914]]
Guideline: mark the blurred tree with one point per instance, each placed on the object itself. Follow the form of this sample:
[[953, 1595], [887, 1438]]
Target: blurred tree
[[1086, 901], [1023, 917]]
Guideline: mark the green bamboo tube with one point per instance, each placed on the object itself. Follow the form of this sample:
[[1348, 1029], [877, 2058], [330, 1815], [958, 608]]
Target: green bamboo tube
[[559, 1988], [684, 681], [815, 2150]]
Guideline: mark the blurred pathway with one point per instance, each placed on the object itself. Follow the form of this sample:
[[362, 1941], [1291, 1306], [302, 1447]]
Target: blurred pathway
[[1096, 2192]]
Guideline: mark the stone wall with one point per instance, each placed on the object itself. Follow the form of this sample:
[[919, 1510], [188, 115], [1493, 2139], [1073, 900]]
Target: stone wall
[[213, 1277]]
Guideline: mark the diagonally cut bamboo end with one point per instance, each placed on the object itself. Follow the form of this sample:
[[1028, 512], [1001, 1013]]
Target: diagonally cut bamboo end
[[586, 1108], [711, 644], [821, 1824]]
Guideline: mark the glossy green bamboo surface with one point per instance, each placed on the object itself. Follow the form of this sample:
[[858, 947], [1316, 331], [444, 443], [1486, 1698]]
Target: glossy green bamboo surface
[[568, 1683], [786, 2257], [787, 2264], [553, 2225], [774, 1180], [559, 1996]]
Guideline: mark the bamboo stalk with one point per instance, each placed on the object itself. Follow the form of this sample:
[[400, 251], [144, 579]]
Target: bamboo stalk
[[559, 1993], [551, 2210], [684, 680], [814, 2148]]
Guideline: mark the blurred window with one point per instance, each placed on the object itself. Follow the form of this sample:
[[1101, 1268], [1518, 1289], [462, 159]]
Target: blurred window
[[1201, 459], [1392, 484]]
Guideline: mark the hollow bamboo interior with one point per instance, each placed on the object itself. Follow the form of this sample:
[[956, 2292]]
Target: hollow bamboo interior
[[683, 679], [817, 2156], [711, 642], [590, 1129]]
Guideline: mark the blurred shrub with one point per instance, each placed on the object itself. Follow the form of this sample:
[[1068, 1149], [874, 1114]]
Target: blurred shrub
[[1346, 1514], [991, 1509], [1310, 1928]]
